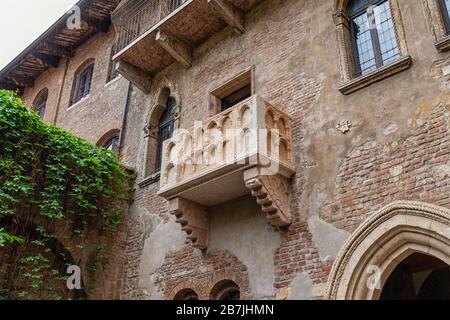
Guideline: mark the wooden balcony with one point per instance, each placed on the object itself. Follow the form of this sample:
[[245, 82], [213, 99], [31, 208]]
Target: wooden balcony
[[153, 34], [246, 149]]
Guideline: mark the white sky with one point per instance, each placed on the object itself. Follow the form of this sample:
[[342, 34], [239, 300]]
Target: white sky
[[22, 21]]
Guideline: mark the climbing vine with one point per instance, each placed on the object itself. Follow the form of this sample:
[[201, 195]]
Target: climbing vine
[[51, 179]]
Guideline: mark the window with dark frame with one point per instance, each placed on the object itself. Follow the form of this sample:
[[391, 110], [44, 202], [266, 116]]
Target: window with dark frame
[[373, 35], [41, 102], [445, 7], [236, 97], [113, 73], [234, 91], [186, 294], [225, 290], [83, 84], [165, 130]]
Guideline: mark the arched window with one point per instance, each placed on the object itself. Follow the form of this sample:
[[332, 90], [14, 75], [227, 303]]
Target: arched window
[[186, 294], [41, 102], [225, 290], [373, 34], [112, 144], [110, 140], [445, 7], [83, 80], [165, 129]]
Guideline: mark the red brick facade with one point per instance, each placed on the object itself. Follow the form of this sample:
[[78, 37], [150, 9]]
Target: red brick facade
[[397, 146]]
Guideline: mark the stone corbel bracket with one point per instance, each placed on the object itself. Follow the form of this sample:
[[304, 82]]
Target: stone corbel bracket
[[194, 220], [272, 194]]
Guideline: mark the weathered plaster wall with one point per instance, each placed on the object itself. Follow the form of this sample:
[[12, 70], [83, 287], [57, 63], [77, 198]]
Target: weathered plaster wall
[[293, 46], [240, 227]]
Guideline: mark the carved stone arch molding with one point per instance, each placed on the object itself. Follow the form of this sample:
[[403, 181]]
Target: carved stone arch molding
[[165, 90], [384, 240]]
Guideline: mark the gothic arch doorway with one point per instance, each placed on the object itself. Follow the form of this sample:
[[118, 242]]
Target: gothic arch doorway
[[418, 277], [401, 234]]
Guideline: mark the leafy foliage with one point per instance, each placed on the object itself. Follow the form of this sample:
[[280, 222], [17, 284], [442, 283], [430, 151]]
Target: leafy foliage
[[6, 238], [48, 173]]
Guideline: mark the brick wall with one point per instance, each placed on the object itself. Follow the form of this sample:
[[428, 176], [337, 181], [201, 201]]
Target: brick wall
[[397, 146]]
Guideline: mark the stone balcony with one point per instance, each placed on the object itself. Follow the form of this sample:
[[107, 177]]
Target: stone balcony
[[153, 34], [246, 149]]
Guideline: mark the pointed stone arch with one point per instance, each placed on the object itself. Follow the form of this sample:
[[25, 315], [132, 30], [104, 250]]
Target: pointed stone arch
[[164, 92], [384, 240]]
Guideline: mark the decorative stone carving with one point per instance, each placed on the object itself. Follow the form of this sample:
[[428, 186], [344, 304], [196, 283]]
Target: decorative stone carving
[[244, 149], [344, 126], [387, 237], [272, 194], [150, 131], [194, 220]]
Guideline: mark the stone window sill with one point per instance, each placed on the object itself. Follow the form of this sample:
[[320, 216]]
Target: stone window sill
[[444, 44], [149, 180], [112, 81], [79, 102], [377, 75]]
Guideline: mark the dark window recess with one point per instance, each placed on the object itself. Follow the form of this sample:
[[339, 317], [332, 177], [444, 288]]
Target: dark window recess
[[225, 290], [186, 294], [41, 103], [445, 6], [84, 81], [229, 295], [112, 144], [113, 73], [165, 130], [236, 97], [373, 34], [418, 277]]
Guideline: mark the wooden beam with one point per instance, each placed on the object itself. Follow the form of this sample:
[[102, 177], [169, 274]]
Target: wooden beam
[[48, 60], [57, 50], [11, 86], [175, 47], [229, 13], [137, 76], [98, 25], [22, 81]]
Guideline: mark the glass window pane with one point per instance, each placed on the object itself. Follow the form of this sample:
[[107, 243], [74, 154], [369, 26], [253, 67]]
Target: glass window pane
[[447, 13], [386, 33], [374, 35], [363, 41]]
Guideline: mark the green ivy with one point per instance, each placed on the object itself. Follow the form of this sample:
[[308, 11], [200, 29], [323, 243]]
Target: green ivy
[[48, 172], [6, 238]]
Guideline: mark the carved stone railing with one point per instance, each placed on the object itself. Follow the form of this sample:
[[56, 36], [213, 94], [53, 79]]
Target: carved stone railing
[[135, 17], [245, 149]]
